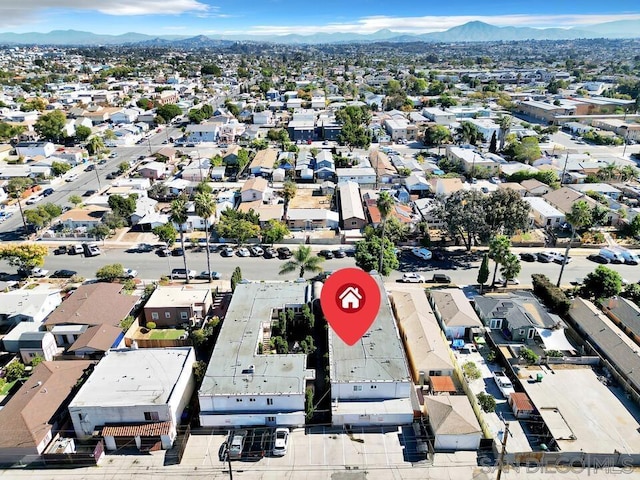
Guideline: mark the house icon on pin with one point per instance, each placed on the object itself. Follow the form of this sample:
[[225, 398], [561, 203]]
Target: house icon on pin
[[350, 299]]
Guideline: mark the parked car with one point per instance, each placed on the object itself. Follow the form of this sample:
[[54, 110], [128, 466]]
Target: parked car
[[63, 274], [129, 273], [546, 257], [440, 278], [613, 255], [36, 272], [528, 257], [34, 199], [47, 191], [181, 273], [112, 175], [243, 252], [71, 178], [75, 249], [270, 252], [513, 281], [62, 249], [205, 275], [280, 442], [596, 257], [256, 251], [284, 252], [559, 258], [422, 253], [102, 162], [91, 249], [163, 251], [504, 384], [113, 155], [412, 278], [328, 254], [177, 252], [88, 193], [227, 252], [237, 444], [90, 168], [339, 253]]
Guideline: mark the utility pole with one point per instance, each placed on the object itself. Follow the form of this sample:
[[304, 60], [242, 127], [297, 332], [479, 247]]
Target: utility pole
[[502, 452], [229, 460], [564, 169]]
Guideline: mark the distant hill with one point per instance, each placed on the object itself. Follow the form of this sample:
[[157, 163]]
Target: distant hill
[[469, 32]]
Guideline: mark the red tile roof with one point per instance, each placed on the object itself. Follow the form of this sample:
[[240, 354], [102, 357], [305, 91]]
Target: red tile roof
[[140, 430], [442, 384], [521, 402]]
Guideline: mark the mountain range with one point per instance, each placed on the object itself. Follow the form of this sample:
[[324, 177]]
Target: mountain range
[[469, 32]]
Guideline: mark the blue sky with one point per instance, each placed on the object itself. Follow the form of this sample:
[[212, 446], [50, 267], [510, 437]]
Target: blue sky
[[210, 17]]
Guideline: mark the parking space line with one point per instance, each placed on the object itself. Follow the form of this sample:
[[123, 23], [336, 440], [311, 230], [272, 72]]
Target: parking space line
[[384, 444], [324, 445], [364, 448], [344, 458]]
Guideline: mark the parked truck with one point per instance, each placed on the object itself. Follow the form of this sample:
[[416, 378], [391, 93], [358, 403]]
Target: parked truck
[[504, 384]]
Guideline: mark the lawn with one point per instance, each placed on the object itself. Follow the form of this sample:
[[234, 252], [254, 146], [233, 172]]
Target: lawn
[[165, 334], [7, 387]]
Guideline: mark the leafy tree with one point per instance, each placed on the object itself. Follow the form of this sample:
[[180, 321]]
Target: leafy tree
[[100, 231], [274, 231], [487, 402], [36, 360], [289, 189], [8, 131], [493, 144], [303, 260], [463, 214], [634, 226], [179, 216], [123, 167], [75, 200], [238, 225], [236, 277], [602, 283], [110, 273], [385, 204], [82, 133], [113, 221], [525, 151], [510, 268], [95, 145], [505, 126], [166, 233], [158, 190], [205, 207], [243, 159], [468, 132], [471, 370], [483, 273], [506, 212], [529, 356], [25, 256], [60, 168], [50, 125], [145, 103], [123, 206], [168, 111], [368, 255], [579, 217], [14, 371], [354, 121], [43, 214], [15, 188]]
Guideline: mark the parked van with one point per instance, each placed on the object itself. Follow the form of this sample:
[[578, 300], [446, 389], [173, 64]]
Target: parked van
[[613, 255], [182, 273]]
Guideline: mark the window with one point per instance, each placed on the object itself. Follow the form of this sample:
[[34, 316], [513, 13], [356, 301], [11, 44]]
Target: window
[[495, 323], [151, 416], [271, 419], [183, 315], [154, 315], [167, 314], [357, 388], [269, 401], [238, 399], [252, 399], [373, 386], [531, 333]]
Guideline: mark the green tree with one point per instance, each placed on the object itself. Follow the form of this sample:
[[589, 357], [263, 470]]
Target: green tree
[[123, 206], [487, 402], [211, 69], [510, 268], [525, 151], [179, 216], [464, 215], [36, 360], [236, 277], [436, 135], [505, 125], [493, 144], [75, 200], [205, 207], [123, 167], [468, 132], [634, 226], [483, 273], [166, 233], [15, 188], [110, 273], [506, 212], [168, 111], [25, 256], [368, 255], [14, 371], [82, 133], [9, 132], [604, 282], [303, 260], [95, 145], [579, 217], [50, 125], [274, 231], [289, 189], [499, 249], [354, 133], [238, 226], [99, 231], [60, 168], [385, 204]]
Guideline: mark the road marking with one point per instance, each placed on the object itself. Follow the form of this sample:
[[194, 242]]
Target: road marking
[[384, 443]]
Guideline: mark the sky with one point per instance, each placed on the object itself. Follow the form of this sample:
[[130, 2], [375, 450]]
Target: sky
[[280, 17]]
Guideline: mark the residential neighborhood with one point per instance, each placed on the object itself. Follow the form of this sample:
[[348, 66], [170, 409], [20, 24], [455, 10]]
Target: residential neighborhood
[[172, 217]]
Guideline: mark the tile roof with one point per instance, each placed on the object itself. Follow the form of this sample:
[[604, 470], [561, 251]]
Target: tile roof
[[521, 401], [140, 430], [442, 384]]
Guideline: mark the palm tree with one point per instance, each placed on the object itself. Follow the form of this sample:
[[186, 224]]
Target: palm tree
[[498, 252], [205, 207], [288, 192], [505, 126], [384, 203], [628, 172], [95, 145], [304, 260], [608, 172], [467, 132], [15, 188], [510, 267], [580, 216], [179, 216]]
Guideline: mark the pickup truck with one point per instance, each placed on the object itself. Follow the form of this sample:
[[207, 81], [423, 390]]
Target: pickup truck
[[504, 384]]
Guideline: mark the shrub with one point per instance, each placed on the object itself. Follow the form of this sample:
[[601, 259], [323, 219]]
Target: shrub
[[491, 356], [554, 354], [471, 371], [487, 402], [14, 371], [529, 356], [151, 325], [552, 296]]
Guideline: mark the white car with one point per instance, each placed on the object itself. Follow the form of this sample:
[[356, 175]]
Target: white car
[[71, 178], [513, 281], [243, 252], [34, 199], [39, 272], [281, 442], [422, 253], [412, 278], [129, 273]]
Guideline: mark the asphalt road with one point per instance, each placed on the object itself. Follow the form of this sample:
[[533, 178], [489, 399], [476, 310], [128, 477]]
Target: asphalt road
[[93, 180], [462, 268]]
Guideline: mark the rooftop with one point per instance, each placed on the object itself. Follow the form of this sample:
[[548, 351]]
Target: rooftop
[[169, 296], [235, 367], [135, 377]]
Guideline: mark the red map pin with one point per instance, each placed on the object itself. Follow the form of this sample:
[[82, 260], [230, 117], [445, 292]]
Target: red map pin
[[350, 300]]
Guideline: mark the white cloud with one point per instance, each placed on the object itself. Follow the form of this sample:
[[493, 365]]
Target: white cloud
[[426, 24]]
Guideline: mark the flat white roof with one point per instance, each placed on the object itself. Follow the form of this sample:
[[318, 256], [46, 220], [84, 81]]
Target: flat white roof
[[543, 207]]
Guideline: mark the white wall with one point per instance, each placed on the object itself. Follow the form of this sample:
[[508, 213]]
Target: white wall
[[183, 389], [93, 416], [292, 419], [244, 403], [370, 390], [373, 419], [458, 442]]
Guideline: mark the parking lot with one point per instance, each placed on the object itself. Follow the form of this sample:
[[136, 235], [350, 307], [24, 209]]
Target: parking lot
[[317, 447]]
